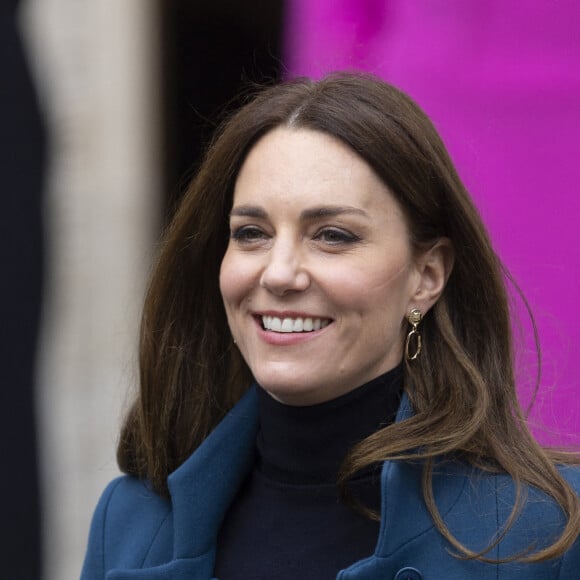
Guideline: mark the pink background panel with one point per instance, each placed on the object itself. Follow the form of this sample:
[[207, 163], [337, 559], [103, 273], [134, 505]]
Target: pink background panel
[[501, 81]]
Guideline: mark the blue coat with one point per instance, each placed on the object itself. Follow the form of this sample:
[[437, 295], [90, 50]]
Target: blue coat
[[135, 534]]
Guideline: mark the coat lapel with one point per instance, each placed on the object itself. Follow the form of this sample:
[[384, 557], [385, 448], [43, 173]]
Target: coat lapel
[[204, 487], [403, 506], [201, 490]]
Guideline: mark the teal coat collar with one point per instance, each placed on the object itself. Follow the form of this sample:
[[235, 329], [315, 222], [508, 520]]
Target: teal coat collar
[[204, 486]]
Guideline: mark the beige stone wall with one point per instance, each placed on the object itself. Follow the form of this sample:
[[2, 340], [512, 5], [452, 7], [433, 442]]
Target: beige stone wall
[[96, 66]]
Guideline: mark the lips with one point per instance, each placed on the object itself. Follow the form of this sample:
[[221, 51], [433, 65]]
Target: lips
[[288, 324]]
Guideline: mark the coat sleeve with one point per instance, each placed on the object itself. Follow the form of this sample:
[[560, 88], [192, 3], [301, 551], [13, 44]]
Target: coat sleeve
[[94, 563]]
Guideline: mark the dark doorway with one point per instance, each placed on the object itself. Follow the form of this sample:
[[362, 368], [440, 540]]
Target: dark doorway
[[212, 50]]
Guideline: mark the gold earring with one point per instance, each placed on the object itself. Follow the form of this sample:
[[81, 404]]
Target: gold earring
[[414, 318]]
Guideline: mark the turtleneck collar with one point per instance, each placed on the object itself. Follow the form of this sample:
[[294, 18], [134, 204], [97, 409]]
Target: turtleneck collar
[[306, 445]]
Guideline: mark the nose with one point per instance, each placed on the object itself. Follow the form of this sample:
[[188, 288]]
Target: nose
[[284, 270]]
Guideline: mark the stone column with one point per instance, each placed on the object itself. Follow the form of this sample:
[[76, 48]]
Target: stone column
[[96, 63]]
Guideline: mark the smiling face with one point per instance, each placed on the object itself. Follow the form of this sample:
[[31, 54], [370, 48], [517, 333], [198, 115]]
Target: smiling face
[[319, 272]]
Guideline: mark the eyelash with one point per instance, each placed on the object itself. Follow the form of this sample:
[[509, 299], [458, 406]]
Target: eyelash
[[250, 234], [247, 234], [340, 236]]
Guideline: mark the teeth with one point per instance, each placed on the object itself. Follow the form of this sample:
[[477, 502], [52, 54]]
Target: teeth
[[293, 324]]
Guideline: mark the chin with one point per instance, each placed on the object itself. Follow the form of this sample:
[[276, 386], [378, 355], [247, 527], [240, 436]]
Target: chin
[[296, 397], [298, 393], [292, 391]]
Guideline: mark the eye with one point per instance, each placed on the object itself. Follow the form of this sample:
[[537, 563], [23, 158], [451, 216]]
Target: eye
[[336, 236], [247, 234]]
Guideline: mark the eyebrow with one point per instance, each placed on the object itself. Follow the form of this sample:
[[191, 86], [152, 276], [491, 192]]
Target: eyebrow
[[307, 214], [249, 211]]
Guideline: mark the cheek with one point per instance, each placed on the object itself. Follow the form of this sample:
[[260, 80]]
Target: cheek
[[228, 288], [383, 318], [387, 291], [236, 279]]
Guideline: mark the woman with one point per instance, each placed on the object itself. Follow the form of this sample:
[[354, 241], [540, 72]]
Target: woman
[[327, 319]]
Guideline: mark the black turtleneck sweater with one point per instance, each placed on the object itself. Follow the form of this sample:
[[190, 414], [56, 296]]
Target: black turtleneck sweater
[[287, 521]]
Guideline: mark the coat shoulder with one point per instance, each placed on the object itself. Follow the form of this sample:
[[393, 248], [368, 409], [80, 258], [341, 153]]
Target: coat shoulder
[[539, 521], [571, 560], [131, 527], [572, 475]]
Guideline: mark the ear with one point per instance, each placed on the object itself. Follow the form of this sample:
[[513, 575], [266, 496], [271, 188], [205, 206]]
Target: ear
[[433, 267]]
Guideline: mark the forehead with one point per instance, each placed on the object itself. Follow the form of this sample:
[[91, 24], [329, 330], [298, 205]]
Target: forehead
[[302, 166]]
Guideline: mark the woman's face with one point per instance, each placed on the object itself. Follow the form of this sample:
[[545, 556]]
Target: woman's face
[[319, 274]]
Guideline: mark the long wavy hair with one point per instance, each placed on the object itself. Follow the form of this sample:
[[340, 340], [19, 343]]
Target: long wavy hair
[[462, 387]]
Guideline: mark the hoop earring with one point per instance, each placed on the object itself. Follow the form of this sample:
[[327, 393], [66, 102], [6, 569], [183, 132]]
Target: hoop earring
[[414, 318]]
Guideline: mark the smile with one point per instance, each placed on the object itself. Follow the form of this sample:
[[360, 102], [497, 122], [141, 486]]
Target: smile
[[275, 324]]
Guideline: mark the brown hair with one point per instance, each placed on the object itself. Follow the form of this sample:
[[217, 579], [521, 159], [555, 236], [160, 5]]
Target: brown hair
[[462, 388]]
